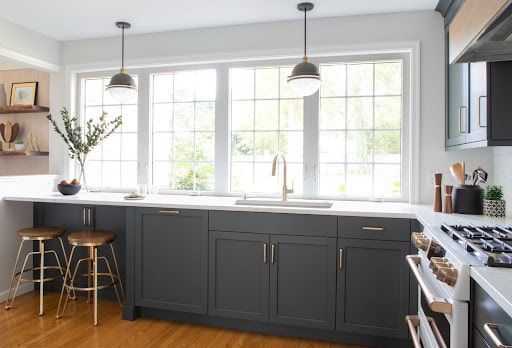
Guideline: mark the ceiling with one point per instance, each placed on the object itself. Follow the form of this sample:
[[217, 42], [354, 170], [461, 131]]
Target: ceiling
[[70, 20]]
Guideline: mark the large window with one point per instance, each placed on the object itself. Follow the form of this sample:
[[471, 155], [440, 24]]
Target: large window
[[215, 128], [360, 129], [113, 164], [183, 110], [266, 119]]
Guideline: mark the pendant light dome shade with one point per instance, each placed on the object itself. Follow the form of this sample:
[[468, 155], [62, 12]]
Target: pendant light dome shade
[[122, 86], [305, 78]]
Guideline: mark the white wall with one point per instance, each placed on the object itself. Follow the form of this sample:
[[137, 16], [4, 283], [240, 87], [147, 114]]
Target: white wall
[[339, 34], [28, 43]]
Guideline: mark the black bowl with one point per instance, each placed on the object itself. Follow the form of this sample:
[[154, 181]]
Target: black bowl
[[69, 190]]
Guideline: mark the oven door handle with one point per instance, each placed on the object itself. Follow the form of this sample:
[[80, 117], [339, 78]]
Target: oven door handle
[[437, 304], [413, 321], [492, 331]]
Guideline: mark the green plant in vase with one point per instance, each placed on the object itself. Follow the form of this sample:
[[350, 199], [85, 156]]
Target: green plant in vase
[[494, 205], [81, 142]]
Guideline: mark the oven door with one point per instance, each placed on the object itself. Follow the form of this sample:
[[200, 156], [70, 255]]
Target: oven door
[[440, 322]]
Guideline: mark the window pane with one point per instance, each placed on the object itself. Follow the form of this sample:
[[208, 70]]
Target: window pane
[[205, 146], [184, 116], [332, 181], [129, 117], [388, 112], [183, 149], [332, 113], [242, 115], [242, 83], [162, 115], [205, 116], [205, 177], [163, 88], [162, 146], [162, 174], [129, 174], [365, 160], [129, 147], [267, 83], [360, 79], [112, 147], [183, 176], [242, 146], [360, 113], [267, 115], [242, 177], [285, 90], [265, 146], [332, 146], [291, 114], [388, 79], [263, 179], [206, 85], [93, 91], [184, 86], [111, 174], [291, 145], [93, 173], [333, 80]]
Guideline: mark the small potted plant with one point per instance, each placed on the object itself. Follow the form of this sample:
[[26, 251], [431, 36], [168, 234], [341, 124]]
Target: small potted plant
[[19, 146], [494, 205]]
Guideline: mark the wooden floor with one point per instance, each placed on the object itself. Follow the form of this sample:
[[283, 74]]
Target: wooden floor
[[22, 326]]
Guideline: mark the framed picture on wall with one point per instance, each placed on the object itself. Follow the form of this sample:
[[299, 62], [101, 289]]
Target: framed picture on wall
[[23, 93]]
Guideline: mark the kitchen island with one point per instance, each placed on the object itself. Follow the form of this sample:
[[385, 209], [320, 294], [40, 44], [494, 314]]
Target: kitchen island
[[307, 272]]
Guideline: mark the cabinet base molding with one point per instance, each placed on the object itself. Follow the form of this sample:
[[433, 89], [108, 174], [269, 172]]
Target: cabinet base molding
[[273, 329], [130, 313]]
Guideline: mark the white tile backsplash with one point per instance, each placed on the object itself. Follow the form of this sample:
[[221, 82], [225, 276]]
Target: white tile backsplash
[[503, 172]]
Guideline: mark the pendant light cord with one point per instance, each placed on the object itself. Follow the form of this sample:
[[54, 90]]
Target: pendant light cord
[[305, 33], [122, 51]]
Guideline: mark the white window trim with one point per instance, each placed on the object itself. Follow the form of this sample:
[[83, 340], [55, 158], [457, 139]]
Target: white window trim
[[409, 52]]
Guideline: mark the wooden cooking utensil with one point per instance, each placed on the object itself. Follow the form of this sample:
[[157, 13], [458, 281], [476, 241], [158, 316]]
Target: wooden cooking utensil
[[15, 132], [458, 173]]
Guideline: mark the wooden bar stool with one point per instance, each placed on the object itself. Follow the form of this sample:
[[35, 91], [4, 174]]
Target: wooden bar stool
[[40, 234], [91, 240]]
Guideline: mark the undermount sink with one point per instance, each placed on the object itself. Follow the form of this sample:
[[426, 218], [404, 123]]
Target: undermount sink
[[281, 203]]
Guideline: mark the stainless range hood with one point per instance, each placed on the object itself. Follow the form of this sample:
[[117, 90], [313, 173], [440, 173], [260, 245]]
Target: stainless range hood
[[481, 31]]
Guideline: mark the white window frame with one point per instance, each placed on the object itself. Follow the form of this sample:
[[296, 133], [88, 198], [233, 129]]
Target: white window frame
[[409, 134]]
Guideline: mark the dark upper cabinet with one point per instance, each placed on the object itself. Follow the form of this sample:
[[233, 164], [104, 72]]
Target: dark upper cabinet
[[239, 275], [171, 259], [373, 287], [458, 104], [303, 281], [477, 130]]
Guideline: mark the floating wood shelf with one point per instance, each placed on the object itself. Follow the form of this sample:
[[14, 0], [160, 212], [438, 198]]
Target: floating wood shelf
[[23, 109], [24, 153]]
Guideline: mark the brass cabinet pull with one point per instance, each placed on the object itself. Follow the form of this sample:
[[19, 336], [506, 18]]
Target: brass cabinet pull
[[89, 217], [265, 253], [83, 217], [374, 229], [340, 260], [273, 253], [169, 212], [480, 111], [492, 331], [460, 119], [437, 304]]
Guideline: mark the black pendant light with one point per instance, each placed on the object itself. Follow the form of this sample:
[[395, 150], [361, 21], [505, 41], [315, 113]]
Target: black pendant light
[[305, 78], [122, 86]]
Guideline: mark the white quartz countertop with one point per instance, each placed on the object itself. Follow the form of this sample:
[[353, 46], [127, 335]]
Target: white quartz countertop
[[496, 281]]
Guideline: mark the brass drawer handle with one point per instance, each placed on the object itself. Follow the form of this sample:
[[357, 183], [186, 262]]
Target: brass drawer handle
[[169, 212], [492, 331], [373, 229], [265, 253], [273, 253]]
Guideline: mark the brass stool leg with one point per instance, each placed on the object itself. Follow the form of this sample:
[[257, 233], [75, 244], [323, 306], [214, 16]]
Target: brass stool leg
[[95, 270], [89, 272], [66, 261], [64, 283], [114, 282], [7, 306], [117, 270], [20, 276], [41, 277]]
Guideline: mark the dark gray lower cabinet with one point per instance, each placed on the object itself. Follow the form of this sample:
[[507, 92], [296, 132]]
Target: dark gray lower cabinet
[[171, 259], [373, 287], [239, 275], [303, 281]]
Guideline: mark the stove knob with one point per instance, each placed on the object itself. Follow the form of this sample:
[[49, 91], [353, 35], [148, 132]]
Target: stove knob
[[420, 241], [436, 262], [447, 275]]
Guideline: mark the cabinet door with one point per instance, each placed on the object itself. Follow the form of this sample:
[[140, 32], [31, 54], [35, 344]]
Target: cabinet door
[[458, 105], [171, 259], [303, 281], [373, 287], [238, 273], [477, 102]]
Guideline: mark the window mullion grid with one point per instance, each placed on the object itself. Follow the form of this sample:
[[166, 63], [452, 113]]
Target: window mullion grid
[[373, 130], [254, 133], [194, 183], [172, 135], [346, 127]]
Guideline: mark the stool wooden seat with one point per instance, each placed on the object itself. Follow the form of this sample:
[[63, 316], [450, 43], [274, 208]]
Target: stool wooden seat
[[91, 238], [40, 233]]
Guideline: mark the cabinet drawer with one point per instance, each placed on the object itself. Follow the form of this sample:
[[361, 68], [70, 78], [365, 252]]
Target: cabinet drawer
[[486, 310], [290, 224], [374, 228]]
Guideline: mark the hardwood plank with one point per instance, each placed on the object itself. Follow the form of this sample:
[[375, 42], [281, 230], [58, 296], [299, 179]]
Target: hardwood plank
[[22, 326]]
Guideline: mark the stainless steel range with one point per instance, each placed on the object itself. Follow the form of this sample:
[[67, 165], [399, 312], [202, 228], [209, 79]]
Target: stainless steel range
[[492, 245]]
